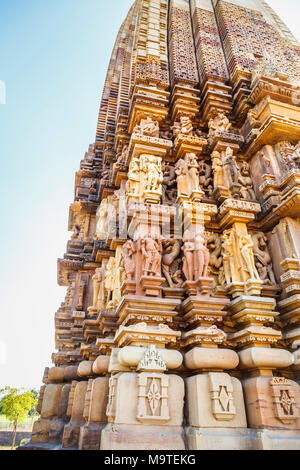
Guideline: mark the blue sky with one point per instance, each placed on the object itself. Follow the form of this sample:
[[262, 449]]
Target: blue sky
[[53, 59]]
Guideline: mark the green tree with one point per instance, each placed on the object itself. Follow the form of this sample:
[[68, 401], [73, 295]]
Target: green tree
[[33, 412], [16, 405]]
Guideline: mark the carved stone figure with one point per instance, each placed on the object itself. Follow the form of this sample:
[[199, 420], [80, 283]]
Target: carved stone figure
[[214, 245], [153, 175], [263, 261], [99, 289], [122, 156], [201, 255], [246, 246], [170, 262], [106, 173], [266, 162], [196, 255], [220, 123], [229, 256], [133, 183], [247, 191], [169, 189], [102, 220], [97, 278], [289, 155], [93, 188], [186, 126], [206, 180], [188, 342], [217, 166], [109, 282], [252, 118], [152, 256], [129, 262], [188, 250], [183, 186], [147, 127], [232, 167], [176, 129], [118, 276], [166, 132], [193, 171], [297, 153], [188, 177]]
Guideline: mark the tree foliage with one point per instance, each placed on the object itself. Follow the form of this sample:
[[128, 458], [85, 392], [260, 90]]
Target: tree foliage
[[16, 404]]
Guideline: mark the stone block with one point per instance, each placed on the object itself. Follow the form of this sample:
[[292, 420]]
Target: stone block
[[272, 402], [215, 400]]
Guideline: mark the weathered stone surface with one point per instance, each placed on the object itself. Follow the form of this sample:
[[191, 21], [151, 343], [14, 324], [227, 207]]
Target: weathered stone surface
[[184, 258]]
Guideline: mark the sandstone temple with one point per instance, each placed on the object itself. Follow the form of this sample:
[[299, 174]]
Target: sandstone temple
[[181, 323]]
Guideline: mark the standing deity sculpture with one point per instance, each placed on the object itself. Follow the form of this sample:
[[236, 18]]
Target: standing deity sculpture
[[151, 167], [152, 256], [193, 171], [229, 257], [266, 162], [217, 166], [145, 178], [183, 186], [220, 123], [188, 176], [196, 255], [129, 261], [201, 255], [188, 251], [97, 278], [238, 258], [233, 170], [109, 282], [246, 246], [102, 220], [247, 191], [98, 290], [133, 183], [263, 261], [118, 276]]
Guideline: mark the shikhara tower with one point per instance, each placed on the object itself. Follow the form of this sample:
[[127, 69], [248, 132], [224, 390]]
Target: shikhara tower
[[181, 324]]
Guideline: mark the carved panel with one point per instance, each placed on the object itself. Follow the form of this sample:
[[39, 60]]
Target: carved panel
[[111, 406], [181, 49], [221, 390], [284, 400], [153, 398], [210, 55], [246, 36]]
